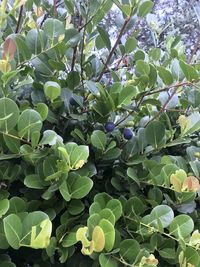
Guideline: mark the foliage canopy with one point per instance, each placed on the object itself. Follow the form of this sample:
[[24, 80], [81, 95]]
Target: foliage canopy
[[99, 140]]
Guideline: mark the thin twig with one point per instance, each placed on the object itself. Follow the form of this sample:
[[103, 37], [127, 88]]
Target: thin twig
[[55, 7], [114, 48], [19, 19], [151, 93], [194, 50], [163, 107], [74, 58]]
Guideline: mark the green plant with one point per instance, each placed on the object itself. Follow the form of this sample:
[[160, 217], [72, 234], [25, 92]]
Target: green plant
[[73, 191]]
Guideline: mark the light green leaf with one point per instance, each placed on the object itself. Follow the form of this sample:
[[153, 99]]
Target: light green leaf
[[105, 37], [13, 230], [142, 68], [4, 206], [33, 181], [53, 28], [9, 114], [17, 205], [116, 207], [36, 40], [65, 191], [69, 240], [73, 79], [107, 261], [155, 132], [99, 140], [79, 156], [12, 141], [52, 90], [130, 45], [164, 214], [181, 226], [43, 110], [165, 75], [189, 71], [29, 122], [79, 186], [145, 8], [126, 95], [129, 249], [37, 229], [109, 232]]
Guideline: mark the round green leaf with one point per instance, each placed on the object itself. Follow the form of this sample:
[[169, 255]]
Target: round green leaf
[[43, 110], [163, 214], [13, 230], [98, 139], [192, 256], [108, 215], [12, 142], [73, 79], [181, 226], [107, 261], [9, 114], [109, 232], [116, 207], [29, 122], [69, 240], [79, 186], [165, 75], [17, 205], [36, 40], [142, 68], [75, 207], [155, 132], [129, 249], [145, 8], [33, 181], [4, 206], [53, 28], [130, 44], [52, 90]]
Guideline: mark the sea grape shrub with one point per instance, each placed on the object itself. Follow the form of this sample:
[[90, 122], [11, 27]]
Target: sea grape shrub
[[99, 140]]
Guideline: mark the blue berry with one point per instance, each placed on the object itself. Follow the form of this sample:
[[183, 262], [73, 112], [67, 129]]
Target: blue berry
[[72, 101], [110, 126], [128, 134]]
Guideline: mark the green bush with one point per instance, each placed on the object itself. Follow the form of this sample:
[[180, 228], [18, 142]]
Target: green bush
[[99, 140]]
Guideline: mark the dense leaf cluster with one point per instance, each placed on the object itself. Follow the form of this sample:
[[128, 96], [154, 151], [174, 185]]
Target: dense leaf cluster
[[99, 141]]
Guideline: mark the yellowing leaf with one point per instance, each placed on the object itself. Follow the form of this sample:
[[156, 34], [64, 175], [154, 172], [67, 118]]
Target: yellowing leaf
[[177, 180], [81, 236], [39, 11], [31, 24], [80, 164], [9, 49], [195, 238], [5, 66], [184, 123], [88, 251], [41, 240], [61, 37], [190, 184], [98, 238], [151, 260], [87, 246]]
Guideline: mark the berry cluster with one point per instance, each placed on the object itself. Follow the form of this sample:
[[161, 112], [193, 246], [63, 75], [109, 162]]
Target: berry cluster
[[110, 126]]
